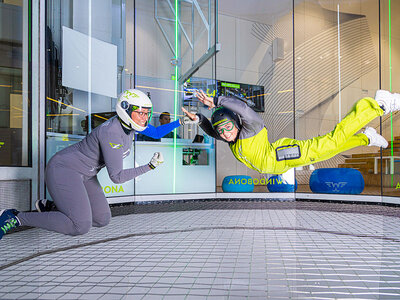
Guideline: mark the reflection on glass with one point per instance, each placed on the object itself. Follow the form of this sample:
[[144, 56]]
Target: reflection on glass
[[390, 68], [336, 63], [182, 35], [194, 156], [252, 95], [15, 107]]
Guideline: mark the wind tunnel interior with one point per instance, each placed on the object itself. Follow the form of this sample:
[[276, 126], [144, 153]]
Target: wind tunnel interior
[[203, 224]]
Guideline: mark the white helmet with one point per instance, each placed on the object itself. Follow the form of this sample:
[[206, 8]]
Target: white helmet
[[131, 100]]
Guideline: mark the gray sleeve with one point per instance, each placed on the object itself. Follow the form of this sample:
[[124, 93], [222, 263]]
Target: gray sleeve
[[205, 124], [251, 121], [113, 159]]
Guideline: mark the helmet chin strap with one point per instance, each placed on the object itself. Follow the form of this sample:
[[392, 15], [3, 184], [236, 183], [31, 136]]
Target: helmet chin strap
[[124, 125]]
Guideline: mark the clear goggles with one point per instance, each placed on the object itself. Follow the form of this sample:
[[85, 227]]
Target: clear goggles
[[137, 110]]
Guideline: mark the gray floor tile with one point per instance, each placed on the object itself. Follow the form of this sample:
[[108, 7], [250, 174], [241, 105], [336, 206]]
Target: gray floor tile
[[253, 253]]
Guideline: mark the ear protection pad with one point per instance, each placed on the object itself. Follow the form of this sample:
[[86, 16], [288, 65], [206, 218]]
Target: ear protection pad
[[124, 104]]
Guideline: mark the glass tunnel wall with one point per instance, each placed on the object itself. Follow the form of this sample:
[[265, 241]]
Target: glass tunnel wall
[[87, 54], [314, 60], [175, 45], [336, 64], [303, 64], [343, 53], [97, 49], [256, 55], [390, 70]]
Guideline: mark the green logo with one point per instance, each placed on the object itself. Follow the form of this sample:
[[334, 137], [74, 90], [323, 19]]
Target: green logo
[[1, 144], [128, 94], [116, 146]]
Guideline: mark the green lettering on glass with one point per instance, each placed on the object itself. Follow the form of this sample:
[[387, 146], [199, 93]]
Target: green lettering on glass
[[113, 189]]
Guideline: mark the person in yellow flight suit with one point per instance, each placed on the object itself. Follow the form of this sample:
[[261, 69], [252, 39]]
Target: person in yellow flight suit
[[237, 124]]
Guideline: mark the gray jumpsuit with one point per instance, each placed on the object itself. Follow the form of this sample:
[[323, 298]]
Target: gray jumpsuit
[[72, 182]]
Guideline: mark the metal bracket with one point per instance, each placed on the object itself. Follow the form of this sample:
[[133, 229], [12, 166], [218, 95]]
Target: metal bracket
[[202, 60]]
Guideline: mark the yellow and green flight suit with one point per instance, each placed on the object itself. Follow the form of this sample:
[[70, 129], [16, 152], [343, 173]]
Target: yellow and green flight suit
[[254, 150]]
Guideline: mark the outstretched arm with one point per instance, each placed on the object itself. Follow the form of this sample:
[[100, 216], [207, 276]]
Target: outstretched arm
[[203, 122], [250, 119], [113, 153], [249, 116], [160, 131]]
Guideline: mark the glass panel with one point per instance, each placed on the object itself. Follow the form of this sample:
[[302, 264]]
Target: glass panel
[[179, 58], [15, 83], [256, 65], [87, 66], [391, 123], [337, 63]]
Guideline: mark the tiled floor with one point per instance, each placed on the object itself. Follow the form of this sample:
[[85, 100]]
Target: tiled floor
[[218, 251]]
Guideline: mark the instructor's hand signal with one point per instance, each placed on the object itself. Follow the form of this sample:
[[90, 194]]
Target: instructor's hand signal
[[190, 118], [206, 100], [157, 160]]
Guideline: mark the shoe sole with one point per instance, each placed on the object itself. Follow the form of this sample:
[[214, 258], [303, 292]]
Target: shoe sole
[[37, 206], [371, 130]]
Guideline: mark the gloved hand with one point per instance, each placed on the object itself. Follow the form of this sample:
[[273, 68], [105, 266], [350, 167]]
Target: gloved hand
[[157, 160], [187, 121]]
